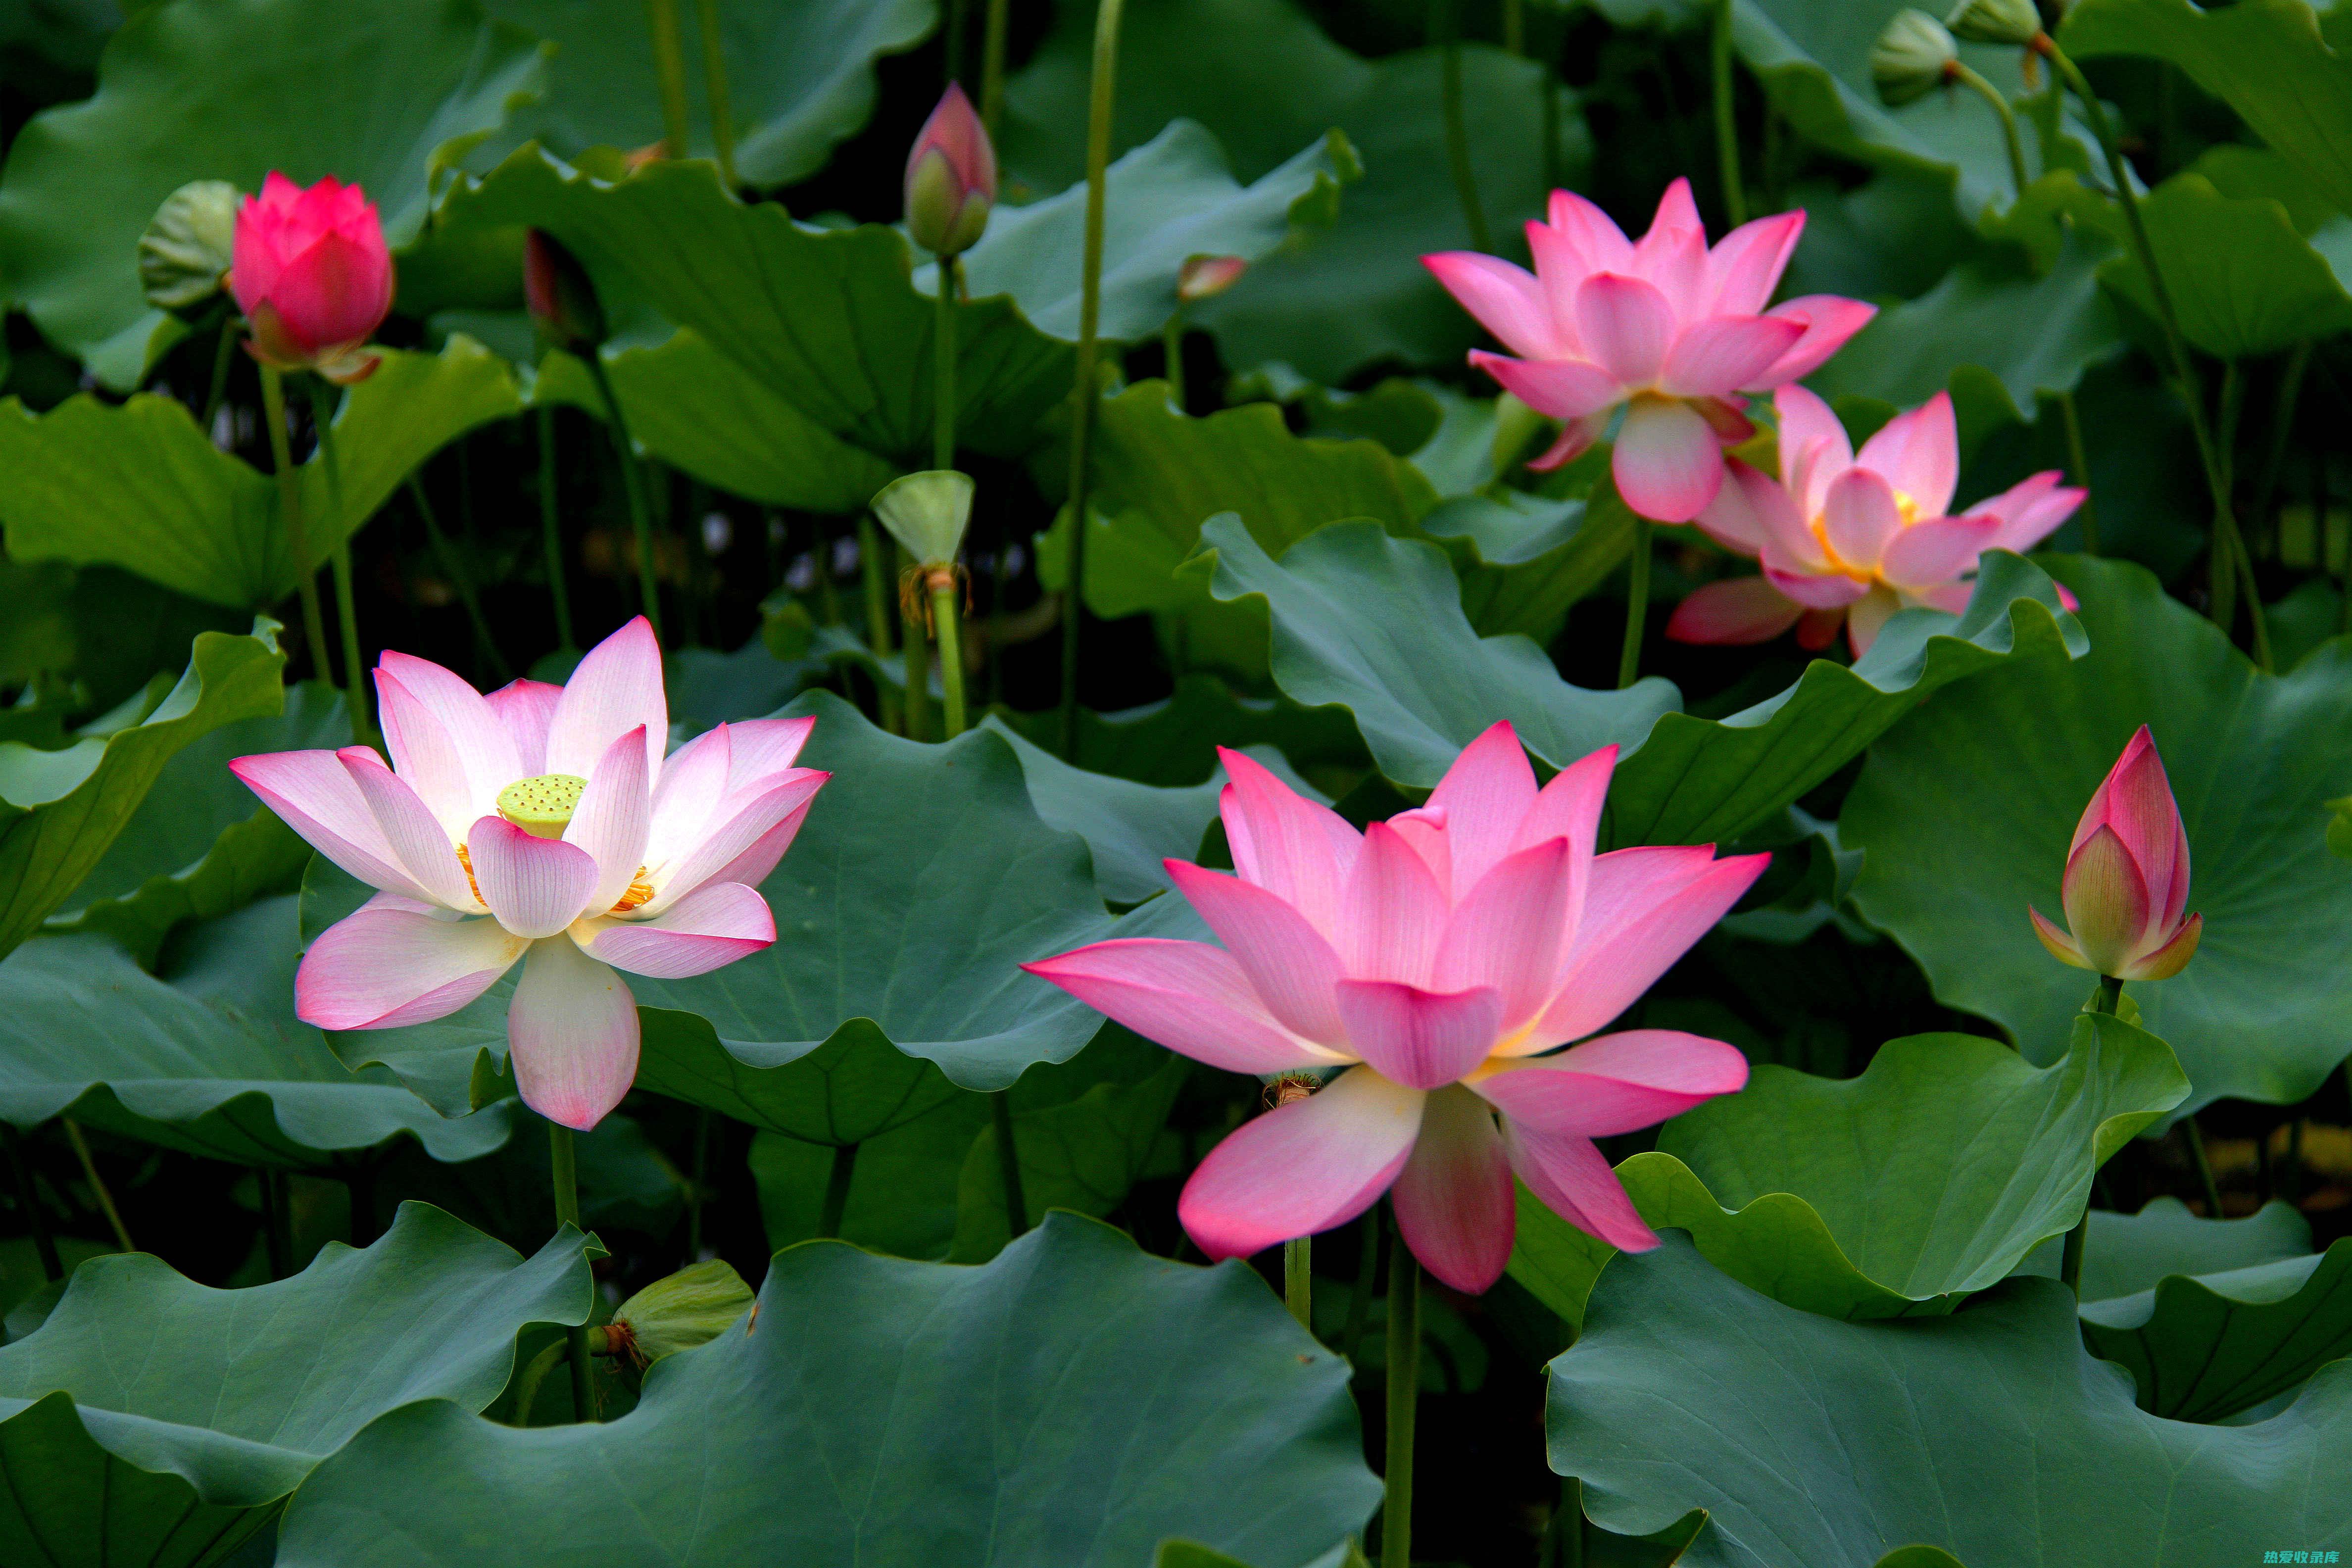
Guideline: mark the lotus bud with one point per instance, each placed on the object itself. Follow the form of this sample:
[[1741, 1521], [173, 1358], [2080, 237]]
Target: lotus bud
[[927, 513], [189, 246], [1206, 277], [312, 275], [1912, 58], [691, 1307], [1996, 21], [562, 298], [2126, 881], [950, 178]]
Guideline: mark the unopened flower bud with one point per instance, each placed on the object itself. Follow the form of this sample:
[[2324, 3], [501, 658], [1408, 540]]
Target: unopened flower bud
[[950, 178], [1912, 57], [1206, 277], [691, 1307], [189, 246], [927, 513], [1996, 21], [562, 298], [2125, 888]]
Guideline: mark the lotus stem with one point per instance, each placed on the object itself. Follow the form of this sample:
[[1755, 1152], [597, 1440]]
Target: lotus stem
[[2069, 1263], [714, 87], [2081, 464], [460, 578], [836, 1190], [701, 1178], [1727, 131], [2204, 1168], [1514, 26], [276, 1223], [991, 66], [550, 528], [669, 72], [1008, 1153], [347, 616], [1298, 1279], [97, 1184], [564, 1169], [943, 410], [1999, 102], [1445, 31], [875, 576], [1360, 1303], [1101, 97], [917, 663], [1172, 349], [1637, 605], [1403, 1400], [289, 514], [633, 480], [534, 1375], [46, 1245], [949, 630], [224, 349], [2282, 428]]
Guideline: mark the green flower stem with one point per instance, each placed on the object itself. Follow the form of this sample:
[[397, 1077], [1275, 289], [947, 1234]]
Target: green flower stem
[[701, 1180], [2204, 1167], [29, 1199], [289, 514], [1298, 1279], [460, 578], [1102, 95], [836, 1190], [1637, 605], [1172, 349], [1999, 102], [876, 575], [1360, 1303], [2281, 427], [950, 631], [952, 27], [1403, 1400], [917, 641], [1515, 27], [2069, 1263], [1445, 31], [2081, 464], [669, 72], [714, 87], [2233, 562], [97, 1184], [991, 66], [550, 528], [347, 616], [563, 1167], [1008, 1159], [276, 1227], [1727, 130], [527, 1387], [943, 395], [222, 349], [633, 480]]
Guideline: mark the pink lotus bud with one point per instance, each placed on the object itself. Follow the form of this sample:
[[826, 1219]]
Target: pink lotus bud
[[562, 298], [312, 275], [1206, 277], [950, 178], [2127, 878]]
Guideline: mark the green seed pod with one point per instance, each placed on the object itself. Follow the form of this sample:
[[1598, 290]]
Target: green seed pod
[[189, 245], [1996, 21], [1912, 57], [691, 1307], [927, 512]]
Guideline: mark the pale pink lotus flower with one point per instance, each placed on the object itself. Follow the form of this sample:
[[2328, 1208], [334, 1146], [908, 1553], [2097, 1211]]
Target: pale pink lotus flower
[[2127, 878], [540, 823], [1439, 960], [1675, 330], [1849, 540], [312, 275]]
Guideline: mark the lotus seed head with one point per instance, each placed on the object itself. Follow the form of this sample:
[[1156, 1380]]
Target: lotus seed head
[[542, 807]]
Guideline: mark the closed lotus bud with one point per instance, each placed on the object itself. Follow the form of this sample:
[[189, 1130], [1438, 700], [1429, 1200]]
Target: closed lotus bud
[[2126, 882], [691, 1307], [1206, 277], [312, 275], [927, 513], [562, 298], [1996, 21], [1912, 58], [950, 178], [189, 246]]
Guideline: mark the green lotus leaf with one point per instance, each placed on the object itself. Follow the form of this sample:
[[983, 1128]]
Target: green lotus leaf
[[2242, 279], [380, 94], [1689, 1390], [1965, 811], [1081, 1155], [1130, 1400], [137, 484], [162, 1422]]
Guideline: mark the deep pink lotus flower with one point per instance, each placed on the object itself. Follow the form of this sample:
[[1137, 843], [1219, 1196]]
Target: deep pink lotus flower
[[1437, 958], [312, 275], [1669, 326], [950, 177], [2127, 878], [540, 823], [1850, 539]]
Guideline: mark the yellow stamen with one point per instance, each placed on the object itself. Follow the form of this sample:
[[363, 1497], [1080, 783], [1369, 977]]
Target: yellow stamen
[[467, 862], [640, 891]]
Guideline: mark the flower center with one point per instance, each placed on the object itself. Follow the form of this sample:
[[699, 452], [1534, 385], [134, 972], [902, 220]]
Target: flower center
[[542, 807]]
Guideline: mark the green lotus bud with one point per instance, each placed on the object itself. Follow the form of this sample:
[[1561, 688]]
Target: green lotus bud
[[189, 245], [1912, 58], [950, 178], [691, 1307], [927, 513], [1996, 21], [562, 298]]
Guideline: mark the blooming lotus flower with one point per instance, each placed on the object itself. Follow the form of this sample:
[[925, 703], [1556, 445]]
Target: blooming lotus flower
[[950, 177], [1438, 961], [2128, 877], [539, 823], [1848, 539], [312, 275], [1665, 326]]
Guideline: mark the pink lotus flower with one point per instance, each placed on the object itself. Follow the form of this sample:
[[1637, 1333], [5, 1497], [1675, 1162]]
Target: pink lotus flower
[[1850, 539], [1434, 958], [950, 177], [1664, 324], [312, 275], [2128, 877], [540, 823]]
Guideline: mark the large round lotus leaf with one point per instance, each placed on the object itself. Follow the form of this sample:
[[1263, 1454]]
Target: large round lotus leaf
[[156, 1421], [1965, 811], [800, 76], [230, 89], [1991, 1434], [1075, 1401]]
